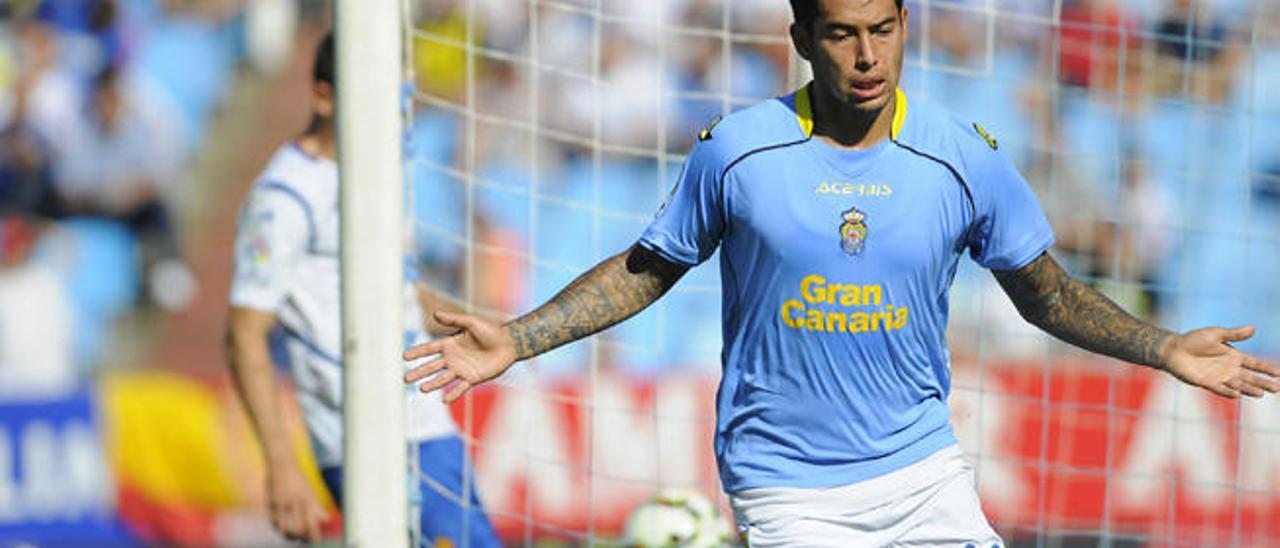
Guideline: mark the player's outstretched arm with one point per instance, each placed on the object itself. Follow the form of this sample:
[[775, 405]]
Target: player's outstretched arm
[[612, 291], [1051, 299]]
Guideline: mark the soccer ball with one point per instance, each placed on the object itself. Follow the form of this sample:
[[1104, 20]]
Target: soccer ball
[[674, 518]]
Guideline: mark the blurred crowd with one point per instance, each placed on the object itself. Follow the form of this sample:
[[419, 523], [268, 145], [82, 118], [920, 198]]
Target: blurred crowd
[[1147, 128], [104, 105], [544, 135]]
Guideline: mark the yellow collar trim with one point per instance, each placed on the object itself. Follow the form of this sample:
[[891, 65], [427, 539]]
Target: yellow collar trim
[[804, 112], [899, 114]]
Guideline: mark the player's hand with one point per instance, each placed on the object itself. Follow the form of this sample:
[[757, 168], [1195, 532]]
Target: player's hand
[[481, 351], [1205, 358], [292, 504]]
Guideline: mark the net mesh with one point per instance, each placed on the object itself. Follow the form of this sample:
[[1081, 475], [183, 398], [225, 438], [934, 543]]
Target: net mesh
[[545, 133]]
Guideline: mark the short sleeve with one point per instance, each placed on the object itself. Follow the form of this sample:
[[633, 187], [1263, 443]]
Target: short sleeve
[[688, 226], [273, 233], [1010, 229]]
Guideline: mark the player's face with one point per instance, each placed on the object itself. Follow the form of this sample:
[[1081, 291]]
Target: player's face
[[855, 47]]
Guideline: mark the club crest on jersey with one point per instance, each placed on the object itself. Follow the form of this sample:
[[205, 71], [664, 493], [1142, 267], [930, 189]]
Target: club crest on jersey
[[853, 231]]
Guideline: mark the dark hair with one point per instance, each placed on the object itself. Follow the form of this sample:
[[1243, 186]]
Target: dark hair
[[805, 11], [322, 71]]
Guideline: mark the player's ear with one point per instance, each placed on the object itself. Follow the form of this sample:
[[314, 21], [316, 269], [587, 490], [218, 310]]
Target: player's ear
[[322, 96], [902, 17], [800, 38]]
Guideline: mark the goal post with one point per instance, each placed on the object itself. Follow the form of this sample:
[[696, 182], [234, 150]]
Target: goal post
[[368, 54]]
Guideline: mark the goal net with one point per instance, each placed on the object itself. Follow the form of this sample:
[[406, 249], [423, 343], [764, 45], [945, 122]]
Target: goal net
[[545, 133]]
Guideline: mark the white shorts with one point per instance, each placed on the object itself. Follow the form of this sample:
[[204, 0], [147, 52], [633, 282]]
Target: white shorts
[[931, 503]]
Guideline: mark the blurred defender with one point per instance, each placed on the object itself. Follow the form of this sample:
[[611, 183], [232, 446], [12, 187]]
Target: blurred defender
[[286, 282], [841, 212]]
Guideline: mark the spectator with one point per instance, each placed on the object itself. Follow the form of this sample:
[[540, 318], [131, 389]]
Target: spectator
[[1091, 38], [25, 176], [1183, 34], [118, 168], [1195, 52], [49, 86]]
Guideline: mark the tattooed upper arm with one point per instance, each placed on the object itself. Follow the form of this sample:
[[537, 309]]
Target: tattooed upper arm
[[1048, 297]]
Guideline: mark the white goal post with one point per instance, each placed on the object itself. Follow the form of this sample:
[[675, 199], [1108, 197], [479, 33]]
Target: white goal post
[[368, 55]]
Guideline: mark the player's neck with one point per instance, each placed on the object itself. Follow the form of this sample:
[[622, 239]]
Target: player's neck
[[319, 144], [844, 127]]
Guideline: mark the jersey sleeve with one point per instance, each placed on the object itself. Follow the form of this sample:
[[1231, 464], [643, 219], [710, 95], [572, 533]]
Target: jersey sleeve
[[272, 235], [688, 226], [1010, 229]]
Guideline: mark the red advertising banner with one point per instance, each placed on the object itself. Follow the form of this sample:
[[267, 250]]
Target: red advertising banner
[[1086, 448]]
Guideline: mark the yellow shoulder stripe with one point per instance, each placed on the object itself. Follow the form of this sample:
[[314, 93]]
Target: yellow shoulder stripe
[[706, 132], [991, 141]]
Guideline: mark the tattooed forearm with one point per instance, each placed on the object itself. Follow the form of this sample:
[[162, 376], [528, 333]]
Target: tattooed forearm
[[1066, 308], [612, 291]]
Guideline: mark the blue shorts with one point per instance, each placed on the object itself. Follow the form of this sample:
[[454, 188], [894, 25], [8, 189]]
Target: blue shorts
[[436, 494]]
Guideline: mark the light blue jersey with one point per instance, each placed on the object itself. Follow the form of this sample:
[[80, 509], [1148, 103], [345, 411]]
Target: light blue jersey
[[836, 267]]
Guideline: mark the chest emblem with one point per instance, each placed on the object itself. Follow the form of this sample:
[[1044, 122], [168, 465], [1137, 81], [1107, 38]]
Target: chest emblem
[[853, 231]]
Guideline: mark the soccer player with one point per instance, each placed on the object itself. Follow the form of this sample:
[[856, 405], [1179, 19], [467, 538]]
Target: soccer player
[[286, 280], [841, 212]]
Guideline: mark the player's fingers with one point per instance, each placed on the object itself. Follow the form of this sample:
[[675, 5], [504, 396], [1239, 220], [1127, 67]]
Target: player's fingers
[[1233, 383], [1254, 364], [460, 321], [439, 381], [1249, 389], [455, 392], [425, 370], [1225, 390], [314, 520], [425, 349], [276, 523], [299, 518], [1237, 334], [312, 515], [287, 521], [1262, 383], [282, 518]]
